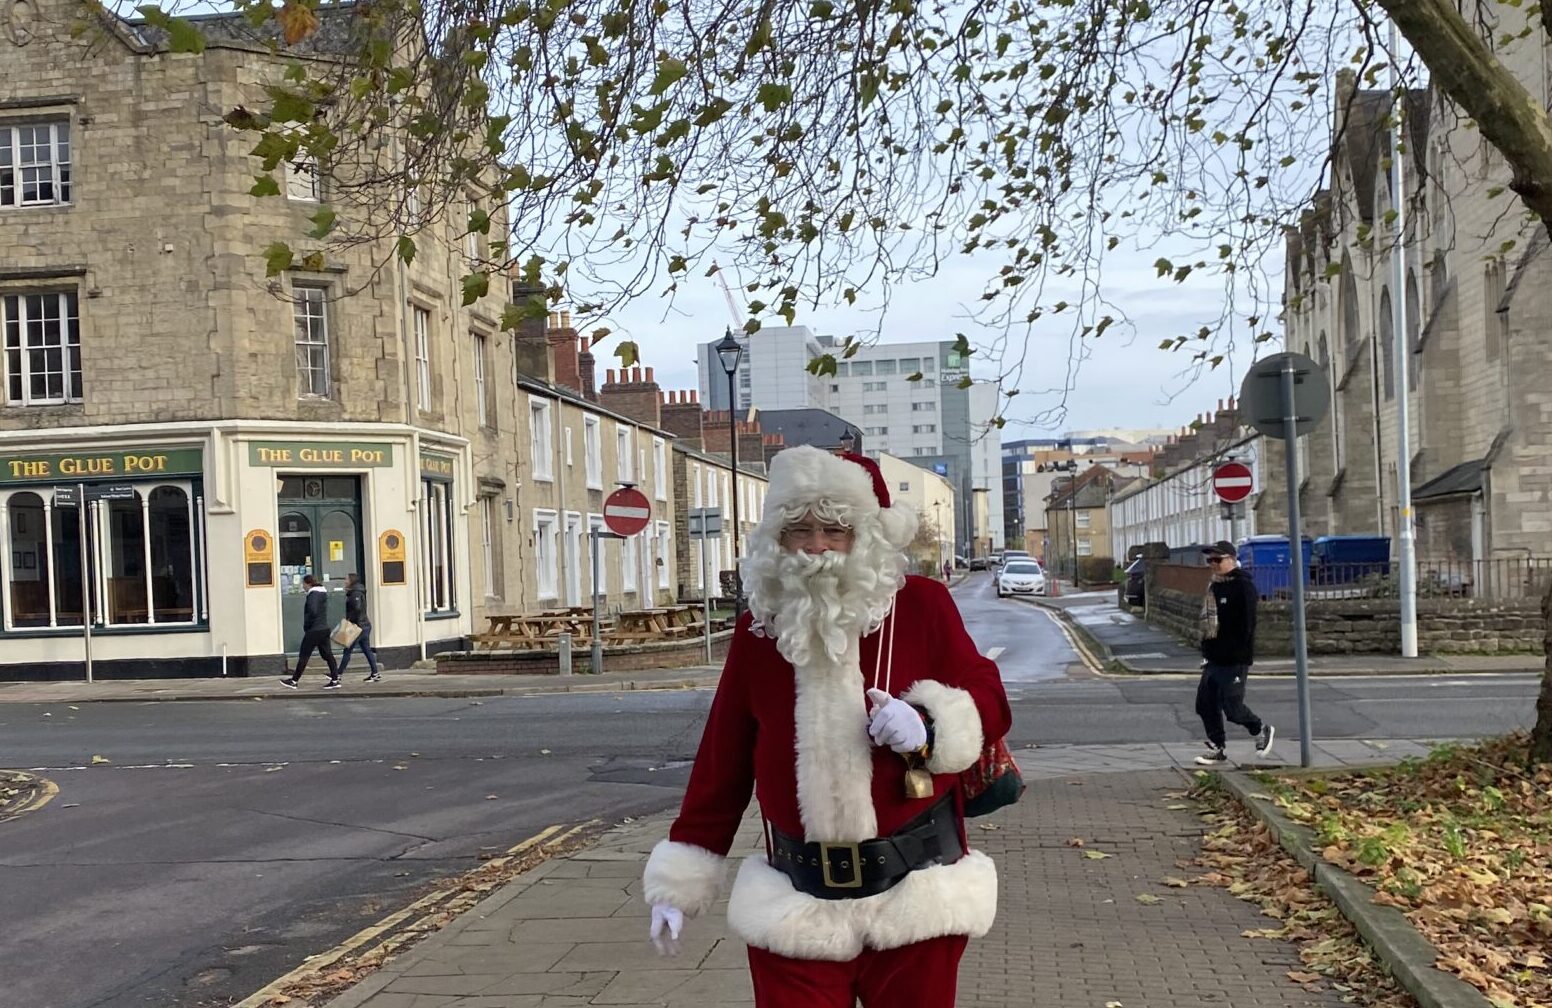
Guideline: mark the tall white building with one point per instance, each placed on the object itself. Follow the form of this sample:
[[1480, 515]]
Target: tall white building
[[907, 399]]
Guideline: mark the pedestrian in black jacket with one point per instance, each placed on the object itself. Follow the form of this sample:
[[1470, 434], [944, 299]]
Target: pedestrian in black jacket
[[1228, 625], [315, 633], [355, 611]]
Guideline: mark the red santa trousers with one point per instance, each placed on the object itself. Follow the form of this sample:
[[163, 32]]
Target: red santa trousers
[[921, 975]]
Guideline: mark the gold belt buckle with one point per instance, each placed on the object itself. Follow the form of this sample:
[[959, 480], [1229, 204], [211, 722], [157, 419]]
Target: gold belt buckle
[[855, 864]]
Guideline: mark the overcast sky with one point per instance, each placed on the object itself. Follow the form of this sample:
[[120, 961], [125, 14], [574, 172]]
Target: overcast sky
[[1126, 380]]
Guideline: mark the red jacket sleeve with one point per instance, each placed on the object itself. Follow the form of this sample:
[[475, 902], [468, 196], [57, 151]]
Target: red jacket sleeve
[[722, 779], [966, 700]]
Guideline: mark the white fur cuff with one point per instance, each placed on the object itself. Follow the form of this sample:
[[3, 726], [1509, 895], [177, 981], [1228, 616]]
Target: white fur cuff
[[684, 876], [956, 725]]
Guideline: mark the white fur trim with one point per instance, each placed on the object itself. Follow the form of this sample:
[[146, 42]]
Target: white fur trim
[[956, 725], [684, 876], [804, 475], [835, 756], [957, 899], [899, 523]]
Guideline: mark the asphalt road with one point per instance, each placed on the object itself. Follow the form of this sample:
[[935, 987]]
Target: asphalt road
[[226, 841]]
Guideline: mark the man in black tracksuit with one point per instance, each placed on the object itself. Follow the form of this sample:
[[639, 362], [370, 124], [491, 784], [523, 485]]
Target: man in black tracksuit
[[1228, 625], [315, 633]]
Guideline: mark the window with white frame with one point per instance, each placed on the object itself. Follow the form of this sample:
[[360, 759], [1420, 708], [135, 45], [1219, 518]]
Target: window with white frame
[[874, 409], [695, 484], [546, 533], [624, 455], [905, 486], [143, 557], [423, 357], [596, 521], [924, 407], [874, 386], [481, 388], [34, 164], [884, 367], [540, 439], [1085, 548], [876, 431], [302, 180], [437, 557], [861, 368], [925, 428], [565, 446], [1082, 519], [42, 348], [628, 563], [473, 242], [490, 545], [593, 450], [711, 487], [664, 553], [309, 309], [660, 467]]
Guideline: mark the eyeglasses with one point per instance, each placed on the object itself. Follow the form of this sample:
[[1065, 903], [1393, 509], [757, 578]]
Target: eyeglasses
[[1218, 559], [830, 533]]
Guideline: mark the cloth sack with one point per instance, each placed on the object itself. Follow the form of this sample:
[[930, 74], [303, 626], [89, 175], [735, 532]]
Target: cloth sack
[[994, 781], [345, 633]]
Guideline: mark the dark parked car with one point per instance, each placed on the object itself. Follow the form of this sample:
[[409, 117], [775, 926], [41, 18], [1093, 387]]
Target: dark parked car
[[1132, 587], [978, 563]]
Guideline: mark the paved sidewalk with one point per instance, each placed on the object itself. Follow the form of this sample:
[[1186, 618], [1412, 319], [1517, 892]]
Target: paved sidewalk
[[394, 684], [1070, 931], [1131, 646]]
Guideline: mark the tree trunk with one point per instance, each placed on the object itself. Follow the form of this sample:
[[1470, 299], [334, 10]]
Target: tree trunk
[[1465, 69], [1541, 735]]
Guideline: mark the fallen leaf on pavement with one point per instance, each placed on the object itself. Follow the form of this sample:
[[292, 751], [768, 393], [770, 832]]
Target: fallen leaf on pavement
[[490, 797], [988, 827], [71, 805], [1180, 806], [1304, 977], [1172, 881], [101, 759], [400, 766], [272, 769], [1096, 855], [1148, 899], [1076, 841], [546, 752], [1117, 1004]]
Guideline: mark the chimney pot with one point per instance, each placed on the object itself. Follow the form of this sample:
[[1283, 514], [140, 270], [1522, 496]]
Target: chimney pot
[[649, 374], [554, 320], [565, 320]]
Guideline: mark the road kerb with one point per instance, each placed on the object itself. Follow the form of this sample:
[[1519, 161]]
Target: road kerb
[[1406, 954], [416, 920]]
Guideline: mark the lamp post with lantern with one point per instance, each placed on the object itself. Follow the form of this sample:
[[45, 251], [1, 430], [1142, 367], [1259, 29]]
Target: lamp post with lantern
[[729, 353]]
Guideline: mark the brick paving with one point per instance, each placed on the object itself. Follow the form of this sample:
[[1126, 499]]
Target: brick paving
[[1069, 932]]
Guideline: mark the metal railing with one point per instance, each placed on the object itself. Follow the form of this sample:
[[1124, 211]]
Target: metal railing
[[1503, 578]]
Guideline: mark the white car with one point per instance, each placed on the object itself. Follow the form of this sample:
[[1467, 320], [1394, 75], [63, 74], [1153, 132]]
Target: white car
[[1020, 577]]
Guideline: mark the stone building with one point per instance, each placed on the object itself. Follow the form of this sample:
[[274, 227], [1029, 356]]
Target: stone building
[[229, 431], [1477, 299]]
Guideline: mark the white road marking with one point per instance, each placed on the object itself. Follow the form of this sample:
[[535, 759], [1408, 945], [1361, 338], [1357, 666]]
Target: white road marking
[[994, 653]]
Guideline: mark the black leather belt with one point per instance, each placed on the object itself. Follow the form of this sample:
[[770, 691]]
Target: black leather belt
[[854, 870]]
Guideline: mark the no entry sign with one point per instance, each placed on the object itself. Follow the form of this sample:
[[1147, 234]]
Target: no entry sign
[[1232, 482], [626, 511]]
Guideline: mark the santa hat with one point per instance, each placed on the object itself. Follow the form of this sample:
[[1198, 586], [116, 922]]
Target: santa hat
[[803, 476]]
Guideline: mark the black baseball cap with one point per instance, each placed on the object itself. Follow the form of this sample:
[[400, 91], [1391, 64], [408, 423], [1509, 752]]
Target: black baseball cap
[[1221, 548]]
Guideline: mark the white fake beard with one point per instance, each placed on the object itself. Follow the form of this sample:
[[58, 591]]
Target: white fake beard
[[819, 620]]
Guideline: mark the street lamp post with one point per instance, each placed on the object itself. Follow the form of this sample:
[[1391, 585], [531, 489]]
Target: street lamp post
[[937, 529], [729, 352]]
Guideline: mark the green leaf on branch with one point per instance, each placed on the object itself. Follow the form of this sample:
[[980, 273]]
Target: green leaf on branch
[[264, 185], [323, 223], [628, 353], [475, 286], [669, 72], [182, 36], [406, 249], [277, 259]]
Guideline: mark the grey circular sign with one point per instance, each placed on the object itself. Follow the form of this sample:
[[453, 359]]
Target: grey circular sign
[[1261, 401]]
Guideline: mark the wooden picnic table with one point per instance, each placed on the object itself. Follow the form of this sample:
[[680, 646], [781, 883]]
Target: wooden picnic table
[[534, 630], [664, 623]]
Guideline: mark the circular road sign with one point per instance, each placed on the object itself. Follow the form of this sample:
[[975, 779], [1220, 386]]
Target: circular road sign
[[626, 511], [1232, 482], [1261, 395]]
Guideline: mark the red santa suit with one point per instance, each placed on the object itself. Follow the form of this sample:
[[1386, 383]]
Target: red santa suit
[[798, 738]]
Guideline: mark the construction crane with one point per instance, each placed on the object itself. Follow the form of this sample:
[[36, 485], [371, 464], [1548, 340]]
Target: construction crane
[[727, 292]]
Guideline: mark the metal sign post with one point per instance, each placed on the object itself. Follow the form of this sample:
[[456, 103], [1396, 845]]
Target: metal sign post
[[706, 523], [1285, 396]]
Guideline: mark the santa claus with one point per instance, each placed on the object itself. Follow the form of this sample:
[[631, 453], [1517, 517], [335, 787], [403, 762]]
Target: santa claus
[[851, 700]]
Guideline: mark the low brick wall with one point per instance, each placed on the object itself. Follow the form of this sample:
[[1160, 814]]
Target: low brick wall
[[1370, 626], [621, 658]]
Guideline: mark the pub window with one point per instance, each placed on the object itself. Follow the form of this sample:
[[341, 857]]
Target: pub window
[[592, 449], [490, 546], [628, 564], [42, 348], [541, 444], [437, 545], [596, 521], [660, 467], [546, 554], [423, 357], [35, 164], [142, 559], [481, 387], [312, 342]]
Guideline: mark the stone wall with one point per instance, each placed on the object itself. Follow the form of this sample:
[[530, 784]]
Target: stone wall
[[626, 658], [1371, 626]]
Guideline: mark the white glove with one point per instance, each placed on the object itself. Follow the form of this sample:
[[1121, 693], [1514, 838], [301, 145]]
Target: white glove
[[895, 723], [667, 922]]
